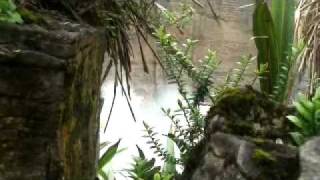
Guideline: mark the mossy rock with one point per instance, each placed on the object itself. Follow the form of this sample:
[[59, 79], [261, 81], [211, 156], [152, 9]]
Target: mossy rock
[[247, 112], [31, 17]]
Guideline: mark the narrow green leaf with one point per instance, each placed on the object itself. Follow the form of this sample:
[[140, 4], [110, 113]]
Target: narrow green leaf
[[283, 17], [170, 165], [108, 155], [296, 121], [103, 174], [267, 45]]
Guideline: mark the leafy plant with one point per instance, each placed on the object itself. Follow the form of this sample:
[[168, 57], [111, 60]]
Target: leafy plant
[[159, 149], [144, 169], [307, 122], [188, 121], [170, 166], [106, 158], [8, 12], [273, 33]]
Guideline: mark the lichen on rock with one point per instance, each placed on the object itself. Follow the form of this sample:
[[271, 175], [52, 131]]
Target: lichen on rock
[[240, 143]]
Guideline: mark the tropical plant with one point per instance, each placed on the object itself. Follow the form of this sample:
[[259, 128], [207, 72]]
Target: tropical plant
[[307, 122], [106, 158], [8, 12], [141, 16], [273, 33], [187, 121], [144, 169]]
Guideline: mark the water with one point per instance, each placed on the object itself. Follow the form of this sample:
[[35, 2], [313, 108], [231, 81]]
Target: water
[[147, 105]]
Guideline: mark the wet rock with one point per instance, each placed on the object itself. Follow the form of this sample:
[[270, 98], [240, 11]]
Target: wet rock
[[246, 112], [49, 101], [231, 157], [240, 141], [310, 160]]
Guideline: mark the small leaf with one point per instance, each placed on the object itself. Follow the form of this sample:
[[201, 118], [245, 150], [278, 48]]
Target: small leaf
[[297, 137], [296, 121], [108, 155], [157, 176], [303, 111]]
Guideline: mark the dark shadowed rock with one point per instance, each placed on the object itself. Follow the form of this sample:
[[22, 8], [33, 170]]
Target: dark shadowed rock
[[49, 101]]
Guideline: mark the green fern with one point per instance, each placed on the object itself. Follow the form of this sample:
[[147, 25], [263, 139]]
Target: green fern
[[144, 169], [307, 122], [8, 12], [158, 148]]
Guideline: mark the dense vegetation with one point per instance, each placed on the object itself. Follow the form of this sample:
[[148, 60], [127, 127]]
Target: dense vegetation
[[281, 52], [277, 57]]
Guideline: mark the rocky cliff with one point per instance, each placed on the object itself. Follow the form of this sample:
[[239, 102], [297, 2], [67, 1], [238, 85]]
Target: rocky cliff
[[50, 78]]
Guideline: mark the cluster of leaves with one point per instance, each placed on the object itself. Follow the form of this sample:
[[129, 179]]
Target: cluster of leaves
[[8, 12], [119, 18], [178, 19], [144, 169], [307, 122], [273, 30]]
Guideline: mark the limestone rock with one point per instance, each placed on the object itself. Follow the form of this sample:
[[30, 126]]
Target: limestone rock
[[229, 157], [49, 101], [246, 112], [310, 160], [240, 141]]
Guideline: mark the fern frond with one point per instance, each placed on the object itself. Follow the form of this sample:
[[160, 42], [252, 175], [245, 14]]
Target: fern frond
[[155, 144]]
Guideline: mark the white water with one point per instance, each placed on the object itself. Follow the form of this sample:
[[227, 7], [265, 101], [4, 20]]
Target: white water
[[147, 107]]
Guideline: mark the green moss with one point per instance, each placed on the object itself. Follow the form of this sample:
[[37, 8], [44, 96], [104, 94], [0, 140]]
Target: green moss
[[262, 157], [240, 128], [259, 141], [31, 17]]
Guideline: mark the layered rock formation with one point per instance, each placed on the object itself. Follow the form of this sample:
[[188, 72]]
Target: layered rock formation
[[50, 78], [247, 139]]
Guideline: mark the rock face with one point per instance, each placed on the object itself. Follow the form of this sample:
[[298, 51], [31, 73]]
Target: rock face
[[310, 160], [229, 157], [49, 101], [240, 141]]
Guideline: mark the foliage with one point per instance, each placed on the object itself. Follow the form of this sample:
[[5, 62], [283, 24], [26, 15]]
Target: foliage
[[106, 158], [144, 169], [307, 29], [188, 121], [8, 12], [307, 122], [142, 19], [179, 18], [120, 18], [273, 31], [157, 146]]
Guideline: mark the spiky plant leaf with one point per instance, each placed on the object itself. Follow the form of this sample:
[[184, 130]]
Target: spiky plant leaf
[[267, 45], [108, 155]]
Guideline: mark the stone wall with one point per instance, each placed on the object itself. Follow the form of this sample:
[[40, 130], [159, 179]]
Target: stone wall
[[49, 101]]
